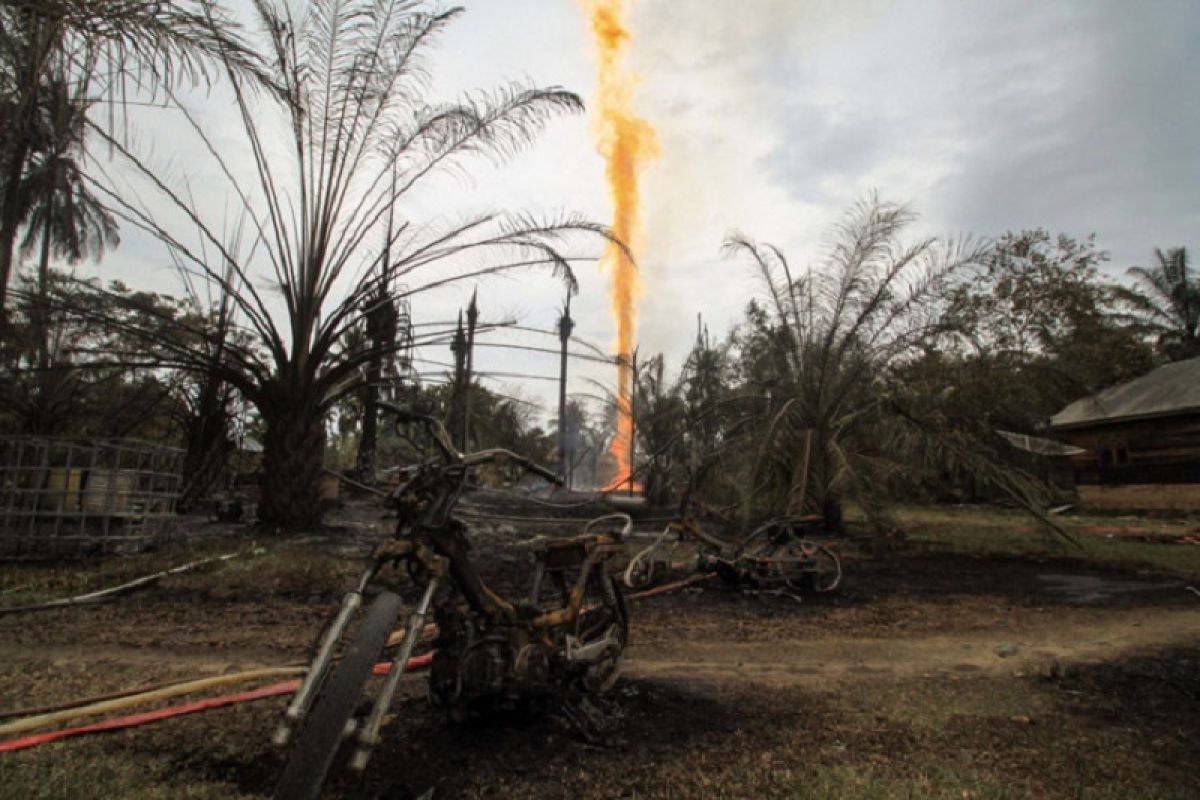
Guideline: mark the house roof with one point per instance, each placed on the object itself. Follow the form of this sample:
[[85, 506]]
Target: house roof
[[1038, 445], [1169, 390]]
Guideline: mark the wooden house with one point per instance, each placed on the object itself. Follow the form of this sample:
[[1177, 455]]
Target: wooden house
[[1140, 441]]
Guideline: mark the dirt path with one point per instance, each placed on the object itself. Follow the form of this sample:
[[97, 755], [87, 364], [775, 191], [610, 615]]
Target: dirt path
[[203, 660], [1027, 650]]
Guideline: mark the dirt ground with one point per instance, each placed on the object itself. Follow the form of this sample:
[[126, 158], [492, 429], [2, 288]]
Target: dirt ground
[[933, 672]]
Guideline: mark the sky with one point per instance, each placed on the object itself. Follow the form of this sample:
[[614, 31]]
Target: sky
[[773, 116]]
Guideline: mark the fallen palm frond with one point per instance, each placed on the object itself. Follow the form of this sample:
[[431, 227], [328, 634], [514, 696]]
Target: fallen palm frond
[[955, 450]]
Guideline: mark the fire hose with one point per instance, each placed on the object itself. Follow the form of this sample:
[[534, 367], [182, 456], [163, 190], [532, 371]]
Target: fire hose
[[122, 701], [135, 720]]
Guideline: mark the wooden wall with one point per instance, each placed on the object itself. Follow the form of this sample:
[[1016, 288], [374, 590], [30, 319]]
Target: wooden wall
[[1163, 450]]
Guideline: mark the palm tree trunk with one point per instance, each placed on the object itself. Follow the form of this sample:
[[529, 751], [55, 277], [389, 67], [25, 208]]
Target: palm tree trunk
[[42, 322], [10, 219], [368, 443], [293, 461]]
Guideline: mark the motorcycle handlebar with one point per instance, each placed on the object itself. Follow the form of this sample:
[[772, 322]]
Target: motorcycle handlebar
[[438, 431], [406, 416], [501, 455]]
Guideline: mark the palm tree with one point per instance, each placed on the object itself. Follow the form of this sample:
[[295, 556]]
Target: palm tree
[[824, 338], [353, 115], [1167, 299], [62, 216], [205, 401], [822, 349], [102, 47]]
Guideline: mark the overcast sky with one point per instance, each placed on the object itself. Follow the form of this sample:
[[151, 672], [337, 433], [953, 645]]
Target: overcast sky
[[774, 115]]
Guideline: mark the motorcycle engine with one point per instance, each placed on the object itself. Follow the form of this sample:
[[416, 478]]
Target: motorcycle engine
[[482, 668]]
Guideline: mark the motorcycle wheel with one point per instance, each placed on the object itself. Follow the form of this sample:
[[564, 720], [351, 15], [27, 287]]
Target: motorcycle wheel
[[322, 731]]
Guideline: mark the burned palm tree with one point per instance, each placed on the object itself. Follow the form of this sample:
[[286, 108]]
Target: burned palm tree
[[206, 400], [385, 327], [353, 116]]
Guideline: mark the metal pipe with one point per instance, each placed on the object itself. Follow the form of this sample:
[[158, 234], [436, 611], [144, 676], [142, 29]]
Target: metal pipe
[[633, 388]]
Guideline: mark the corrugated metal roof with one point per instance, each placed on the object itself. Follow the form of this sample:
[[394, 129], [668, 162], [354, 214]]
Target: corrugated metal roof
[[1170, 389], [1038, 445]]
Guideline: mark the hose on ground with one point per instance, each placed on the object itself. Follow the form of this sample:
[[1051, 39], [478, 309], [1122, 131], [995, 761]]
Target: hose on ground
[[122, 703], [129, 586], [126, 700], [121, 723], [30, 718], [631, 570]]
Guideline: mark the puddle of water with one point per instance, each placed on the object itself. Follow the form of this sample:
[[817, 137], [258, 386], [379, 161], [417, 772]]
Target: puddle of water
[[1093, 589]]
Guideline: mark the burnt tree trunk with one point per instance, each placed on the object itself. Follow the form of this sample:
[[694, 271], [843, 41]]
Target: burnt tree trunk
[[42, 327], [383, 321], [293, 461], [368, 443], [209, 448]]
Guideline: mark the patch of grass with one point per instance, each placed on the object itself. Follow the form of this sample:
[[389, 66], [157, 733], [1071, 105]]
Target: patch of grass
[[1105, 541], [913, 740], [74, 770], [24, 582], [763, 776], [260, 571], [932, 704], [279, 571]]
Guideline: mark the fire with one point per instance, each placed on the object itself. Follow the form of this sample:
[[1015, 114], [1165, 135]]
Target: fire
[[627, 143]]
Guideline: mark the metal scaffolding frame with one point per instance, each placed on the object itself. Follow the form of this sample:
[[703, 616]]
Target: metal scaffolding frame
[[73, 497]]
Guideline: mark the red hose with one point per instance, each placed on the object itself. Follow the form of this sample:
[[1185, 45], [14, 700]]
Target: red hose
[[274, 690], [134, 720]]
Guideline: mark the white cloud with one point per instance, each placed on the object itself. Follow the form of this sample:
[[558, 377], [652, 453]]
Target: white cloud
[[774, 114]]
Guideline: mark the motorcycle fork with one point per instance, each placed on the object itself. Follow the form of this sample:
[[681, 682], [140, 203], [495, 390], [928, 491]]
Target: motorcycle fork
[[303, 698], [368, 736]]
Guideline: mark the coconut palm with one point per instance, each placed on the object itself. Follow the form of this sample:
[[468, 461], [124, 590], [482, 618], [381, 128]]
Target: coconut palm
[[102, 47], [359, 137], [63, 217], [1166, 297]]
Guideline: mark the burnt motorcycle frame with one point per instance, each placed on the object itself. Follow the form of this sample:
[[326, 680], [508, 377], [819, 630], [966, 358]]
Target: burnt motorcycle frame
[[488, 650], [777, 554]]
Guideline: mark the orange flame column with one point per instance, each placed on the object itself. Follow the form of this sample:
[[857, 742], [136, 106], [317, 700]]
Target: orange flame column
[[627, 143]]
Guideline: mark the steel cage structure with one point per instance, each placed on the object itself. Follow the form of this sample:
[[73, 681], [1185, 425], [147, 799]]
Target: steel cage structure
[[64, 497]]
